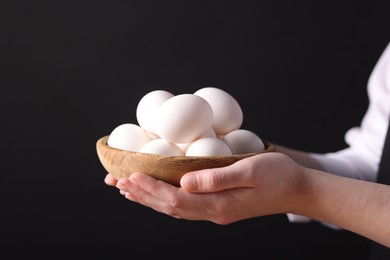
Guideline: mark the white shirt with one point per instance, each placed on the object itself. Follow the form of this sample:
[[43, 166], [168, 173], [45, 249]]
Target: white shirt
[[360, 160]]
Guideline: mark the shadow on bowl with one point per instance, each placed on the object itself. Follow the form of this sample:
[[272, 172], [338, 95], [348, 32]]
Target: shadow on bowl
[[122, 163]]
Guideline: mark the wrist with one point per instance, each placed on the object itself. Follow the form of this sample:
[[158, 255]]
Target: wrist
[[301, 194]]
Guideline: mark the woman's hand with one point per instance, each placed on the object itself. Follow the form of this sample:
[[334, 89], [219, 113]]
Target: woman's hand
[[259, 185], [266, 184]]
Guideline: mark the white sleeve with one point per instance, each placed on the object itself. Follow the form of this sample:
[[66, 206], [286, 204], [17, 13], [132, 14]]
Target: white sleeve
[[360, 160]]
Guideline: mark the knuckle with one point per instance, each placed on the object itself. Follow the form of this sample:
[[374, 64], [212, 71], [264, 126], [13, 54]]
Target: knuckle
[[214, 180], [168, 210]]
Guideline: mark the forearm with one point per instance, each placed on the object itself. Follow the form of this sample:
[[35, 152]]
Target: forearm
[[359, 206]]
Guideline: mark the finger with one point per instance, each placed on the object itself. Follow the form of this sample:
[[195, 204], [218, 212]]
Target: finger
[[135, 193], [216, 179], [169, 199], [127, 188], [174, 196], [110, 180]]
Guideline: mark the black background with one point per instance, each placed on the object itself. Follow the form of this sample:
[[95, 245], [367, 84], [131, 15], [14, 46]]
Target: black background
[[71, 71]]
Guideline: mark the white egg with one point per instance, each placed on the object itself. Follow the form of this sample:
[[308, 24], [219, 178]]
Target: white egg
[[130, 137], [208, 146], [147, 108], [183, 118], [183, 146], [243, 141], [227, 113], [161, 146], [209, 133], [152, 136]]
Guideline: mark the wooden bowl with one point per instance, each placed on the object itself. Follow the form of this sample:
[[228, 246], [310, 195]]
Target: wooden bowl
[[121, 163]]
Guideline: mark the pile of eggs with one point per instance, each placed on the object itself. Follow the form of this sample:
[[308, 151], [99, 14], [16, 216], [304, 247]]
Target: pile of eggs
[[204, 123]]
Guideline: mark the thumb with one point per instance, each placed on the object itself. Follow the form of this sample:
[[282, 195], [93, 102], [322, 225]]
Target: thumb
[[212, 180]]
